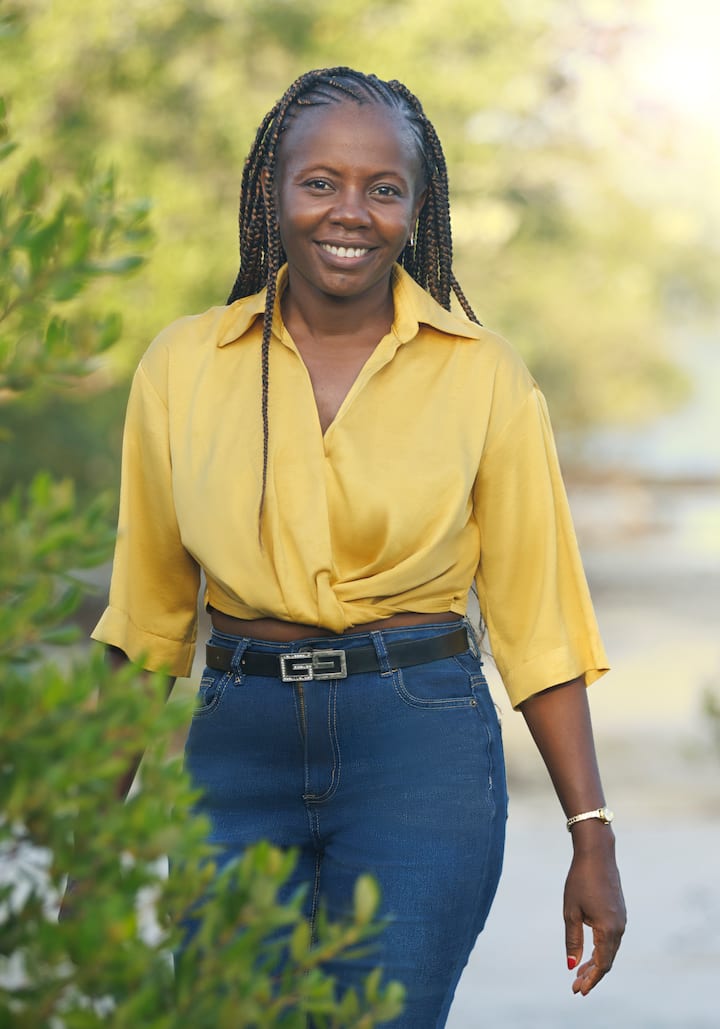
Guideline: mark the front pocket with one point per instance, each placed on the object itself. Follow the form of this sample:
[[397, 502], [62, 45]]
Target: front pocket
[[437, 684], [210, 692]]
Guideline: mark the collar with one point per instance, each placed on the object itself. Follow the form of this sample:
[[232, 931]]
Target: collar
[[243, 313], [413, 307]]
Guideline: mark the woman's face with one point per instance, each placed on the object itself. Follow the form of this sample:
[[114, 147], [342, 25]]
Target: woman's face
[[349, 186]]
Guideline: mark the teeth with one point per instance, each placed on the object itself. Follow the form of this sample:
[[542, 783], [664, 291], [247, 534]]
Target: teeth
[[344, 251]]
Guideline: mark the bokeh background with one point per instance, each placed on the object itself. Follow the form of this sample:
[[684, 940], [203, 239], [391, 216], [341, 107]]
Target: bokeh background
[[583, 142]]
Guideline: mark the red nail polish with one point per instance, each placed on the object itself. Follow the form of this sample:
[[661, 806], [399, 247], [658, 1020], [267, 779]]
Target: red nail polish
[[571, 962]]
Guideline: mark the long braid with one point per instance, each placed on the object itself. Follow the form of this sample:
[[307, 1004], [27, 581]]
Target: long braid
[[427, 256]]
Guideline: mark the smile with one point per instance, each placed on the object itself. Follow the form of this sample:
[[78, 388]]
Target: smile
[[344, 251]]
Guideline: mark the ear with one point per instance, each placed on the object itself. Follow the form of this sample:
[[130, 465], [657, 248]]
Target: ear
[[419, 203]]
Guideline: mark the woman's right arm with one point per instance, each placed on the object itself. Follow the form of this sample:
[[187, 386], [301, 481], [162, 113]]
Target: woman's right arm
[[117, 661]]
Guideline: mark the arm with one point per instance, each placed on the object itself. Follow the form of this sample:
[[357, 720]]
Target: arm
[[559, 721], [117, 660]]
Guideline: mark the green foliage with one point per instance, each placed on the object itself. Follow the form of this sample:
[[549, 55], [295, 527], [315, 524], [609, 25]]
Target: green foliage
[[70, 726], [53, 245], [251, 961], [44, 543]]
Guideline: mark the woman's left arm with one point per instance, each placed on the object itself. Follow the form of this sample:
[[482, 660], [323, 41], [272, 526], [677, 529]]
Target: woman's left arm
[[559, 721]]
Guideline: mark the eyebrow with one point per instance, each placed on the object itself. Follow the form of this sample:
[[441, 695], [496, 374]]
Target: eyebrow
[[326, 169]]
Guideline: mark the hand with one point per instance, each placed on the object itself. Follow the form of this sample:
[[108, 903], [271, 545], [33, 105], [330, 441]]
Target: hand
[[593, 896]]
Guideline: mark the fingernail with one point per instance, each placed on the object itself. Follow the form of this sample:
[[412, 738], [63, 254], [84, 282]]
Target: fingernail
[[571, 962]]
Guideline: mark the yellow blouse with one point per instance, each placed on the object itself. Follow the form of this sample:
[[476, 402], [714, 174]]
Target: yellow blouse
[[439, 466]]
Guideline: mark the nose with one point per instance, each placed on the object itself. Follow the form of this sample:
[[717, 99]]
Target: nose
[[350, 208]]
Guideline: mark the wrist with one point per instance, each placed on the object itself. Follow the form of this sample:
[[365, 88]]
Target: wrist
[[602, 814], [592, 836]]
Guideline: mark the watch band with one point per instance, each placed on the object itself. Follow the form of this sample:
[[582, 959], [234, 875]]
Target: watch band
[[604, 814]]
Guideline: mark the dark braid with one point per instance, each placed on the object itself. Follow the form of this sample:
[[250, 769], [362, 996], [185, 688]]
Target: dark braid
[[427, 256]]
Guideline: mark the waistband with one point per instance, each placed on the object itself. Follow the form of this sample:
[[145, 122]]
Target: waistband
[[335, 662]]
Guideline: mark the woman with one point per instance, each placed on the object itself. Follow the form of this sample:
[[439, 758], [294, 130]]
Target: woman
[[395, 452]]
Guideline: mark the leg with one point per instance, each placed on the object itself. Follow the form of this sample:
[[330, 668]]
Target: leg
[[420, 801], [244, 752]]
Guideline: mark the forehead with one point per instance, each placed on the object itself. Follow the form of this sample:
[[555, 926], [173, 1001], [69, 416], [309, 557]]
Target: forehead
[[361, 134]]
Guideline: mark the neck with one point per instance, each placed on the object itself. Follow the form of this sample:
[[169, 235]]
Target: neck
[[324, 316]]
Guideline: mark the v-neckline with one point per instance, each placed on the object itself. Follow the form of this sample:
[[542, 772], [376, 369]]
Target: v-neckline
[[381, 355]]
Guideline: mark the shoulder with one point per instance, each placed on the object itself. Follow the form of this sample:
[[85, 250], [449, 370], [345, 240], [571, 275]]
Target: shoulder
[[498, 357], [183, 344], [418, 317], [481, 363]]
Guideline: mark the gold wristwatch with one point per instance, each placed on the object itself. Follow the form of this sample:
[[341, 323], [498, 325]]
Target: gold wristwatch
[[604, 814]]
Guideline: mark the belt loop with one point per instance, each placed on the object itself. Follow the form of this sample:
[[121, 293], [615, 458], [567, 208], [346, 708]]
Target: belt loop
[[236, 662], [473, 641], [383, 658]]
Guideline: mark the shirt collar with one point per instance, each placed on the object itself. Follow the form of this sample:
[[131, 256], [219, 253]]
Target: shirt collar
[[242, 313], [413, 307]]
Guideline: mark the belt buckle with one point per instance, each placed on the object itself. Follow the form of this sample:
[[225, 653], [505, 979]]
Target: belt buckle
[[306, 665], [329, 664]]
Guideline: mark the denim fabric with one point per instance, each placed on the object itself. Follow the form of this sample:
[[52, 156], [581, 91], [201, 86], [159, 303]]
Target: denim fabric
[[397, 772]]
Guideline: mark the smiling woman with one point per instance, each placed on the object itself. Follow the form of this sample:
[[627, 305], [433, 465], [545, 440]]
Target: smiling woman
[[397, 452]]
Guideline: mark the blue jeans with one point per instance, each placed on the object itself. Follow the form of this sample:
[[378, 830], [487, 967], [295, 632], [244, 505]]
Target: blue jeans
[[396, 772]]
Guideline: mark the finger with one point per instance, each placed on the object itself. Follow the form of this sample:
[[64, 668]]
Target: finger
[[604, 950], [600, 963], [573, 938]]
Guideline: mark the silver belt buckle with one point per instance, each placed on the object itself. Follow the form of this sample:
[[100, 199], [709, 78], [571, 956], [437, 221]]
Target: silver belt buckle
[[306, 665]]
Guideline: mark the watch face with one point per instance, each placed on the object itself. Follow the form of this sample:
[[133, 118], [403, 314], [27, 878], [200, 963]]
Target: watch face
[[606, 815]]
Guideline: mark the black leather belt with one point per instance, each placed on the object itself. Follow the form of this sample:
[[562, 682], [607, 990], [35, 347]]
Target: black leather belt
[[325, 663]]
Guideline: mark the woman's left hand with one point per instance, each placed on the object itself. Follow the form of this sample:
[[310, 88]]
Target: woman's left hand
[[593, 897], [559, 720]]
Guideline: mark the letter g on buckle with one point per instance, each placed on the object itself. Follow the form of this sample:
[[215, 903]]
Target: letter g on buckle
[[313, 664]]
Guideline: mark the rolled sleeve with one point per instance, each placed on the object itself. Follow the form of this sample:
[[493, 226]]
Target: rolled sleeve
[[152, 610], [531, 585]]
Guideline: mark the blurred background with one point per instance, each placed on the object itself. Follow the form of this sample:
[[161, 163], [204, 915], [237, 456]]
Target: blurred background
[[583, 143]]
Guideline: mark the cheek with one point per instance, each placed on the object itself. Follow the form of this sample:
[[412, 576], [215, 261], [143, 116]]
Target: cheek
[[290, 216]]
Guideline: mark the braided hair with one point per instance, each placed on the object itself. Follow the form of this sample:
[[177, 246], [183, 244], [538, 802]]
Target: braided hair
[[427, 256]]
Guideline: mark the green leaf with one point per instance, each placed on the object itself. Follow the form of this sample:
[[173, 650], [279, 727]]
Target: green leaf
[[300, 941], [366, 899], [56, 334], [31, 183], [6, 149], [115, 265]]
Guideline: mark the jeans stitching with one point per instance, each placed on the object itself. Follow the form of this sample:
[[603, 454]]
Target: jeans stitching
[[223, 682], [315, 897], [478, 680], [321, 798], [298, 696], [417, 702]]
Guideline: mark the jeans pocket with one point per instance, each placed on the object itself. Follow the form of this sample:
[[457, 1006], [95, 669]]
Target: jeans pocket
[[437, 684], [210, 692]]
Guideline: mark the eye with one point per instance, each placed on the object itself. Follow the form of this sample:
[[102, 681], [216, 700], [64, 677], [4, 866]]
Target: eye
[[318, 185], [385, 190]]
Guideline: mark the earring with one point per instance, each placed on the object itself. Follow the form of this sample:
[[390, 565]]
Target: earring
[[411, 241]]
